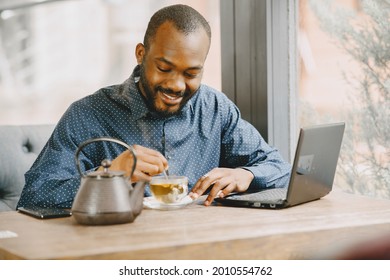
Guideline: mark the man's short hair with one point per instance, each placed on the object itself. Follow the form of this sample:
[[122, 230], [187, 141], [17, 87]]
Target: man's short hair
[[185, 18]]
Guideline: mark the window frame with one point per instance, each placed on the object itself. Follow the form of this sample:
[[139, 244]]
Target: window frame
[[260, 67], [282, 39]]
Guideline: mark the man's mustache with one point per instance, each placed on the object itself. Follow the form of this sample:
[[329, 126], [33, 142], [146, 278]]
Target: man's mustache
[[170, 91]]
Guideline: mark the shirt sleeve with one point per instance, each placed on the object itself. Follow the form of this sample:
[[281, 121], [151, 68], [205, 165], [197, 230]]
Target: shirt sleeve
[[53, 179], [243, 146]]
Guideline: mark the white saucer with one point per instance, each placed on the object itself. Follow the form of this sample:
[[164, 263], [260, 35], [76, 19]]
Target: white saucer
[[151, 203]]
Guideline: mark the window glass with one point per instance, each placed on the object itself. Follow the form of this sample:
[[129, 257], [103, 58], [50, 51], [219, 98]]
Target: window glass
[[55, 53], [345, 76]]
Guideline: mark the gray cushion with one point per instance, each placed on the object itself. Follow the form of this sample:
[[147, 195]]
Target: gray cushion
[[19, 147]]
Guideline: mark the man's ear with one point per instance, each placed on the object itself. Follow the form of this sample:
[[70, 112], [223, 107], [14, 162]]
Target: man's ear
[[139, 53]]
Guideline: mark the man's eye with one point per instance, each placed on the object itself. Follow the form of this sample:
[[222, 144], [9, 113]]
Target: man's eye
[[191, 76], [163, 70]]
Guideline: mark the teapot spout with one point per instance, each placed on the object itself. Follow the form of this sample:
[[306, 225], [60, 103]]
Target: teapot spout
[[137, 198]]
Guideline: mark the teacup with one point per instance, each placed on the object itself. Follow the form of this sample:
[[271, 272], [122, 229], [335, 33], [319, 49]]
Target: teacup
[[169, 189]]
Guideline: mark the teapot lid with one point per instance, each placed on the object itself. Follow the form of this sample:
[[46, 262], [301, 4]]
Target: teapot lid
[[106, 173]]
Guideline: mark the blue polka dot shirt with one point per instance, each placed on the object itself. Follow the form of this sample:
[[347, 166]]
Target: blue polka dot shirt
[[207, 133]]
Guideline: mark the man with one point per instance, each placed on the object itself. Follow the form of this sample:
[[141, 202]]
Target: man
[[171, 119]]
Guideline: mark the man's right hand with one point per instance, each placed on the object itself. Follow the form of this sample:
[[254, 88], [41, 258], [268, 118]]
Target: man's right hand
[[149, 163]]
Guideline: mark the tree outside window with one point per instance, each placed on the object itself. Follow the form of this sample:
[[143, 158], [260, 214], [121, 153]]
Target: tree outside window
[[345, 76]]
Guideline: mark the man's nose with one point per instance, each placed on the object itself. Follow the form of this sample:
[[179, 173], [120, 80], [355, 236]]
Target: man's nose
[[176, 83]]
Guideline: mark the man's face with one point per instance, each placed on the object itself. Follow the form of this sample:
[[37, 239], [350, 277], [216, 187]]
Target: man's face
[[172, 68]]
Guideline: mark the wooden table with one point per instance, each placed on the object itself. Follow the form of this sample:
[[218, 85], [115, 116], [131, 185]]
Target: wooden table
[[199, 232]]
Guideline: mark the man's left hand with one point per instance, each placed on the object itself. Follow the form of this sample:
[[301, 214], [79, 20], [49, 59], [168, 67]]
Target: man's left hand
[[222, 181]]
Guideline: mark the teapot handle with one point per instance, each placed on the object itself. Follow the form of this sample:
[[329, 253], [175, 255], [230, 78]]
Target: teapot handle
[[82, 145]]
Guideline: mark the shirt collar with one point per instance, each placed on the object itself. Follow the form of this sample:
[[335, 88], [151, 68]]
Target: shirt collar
[[137, 103]]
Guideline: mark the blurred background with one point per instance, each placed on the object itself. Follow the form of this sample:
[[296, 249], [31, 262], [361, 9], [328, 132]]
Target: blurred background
[[59, 51], [55, 52]]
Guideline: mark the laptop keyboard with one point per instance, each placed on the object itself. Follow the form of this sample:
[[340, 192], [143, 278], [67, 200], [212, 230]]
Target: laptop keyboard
[[265, 196]]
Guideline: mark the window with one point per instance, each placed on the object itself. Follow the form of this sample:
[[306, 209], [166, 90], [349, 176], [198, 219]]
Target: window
[[345, 76], [55, 52]]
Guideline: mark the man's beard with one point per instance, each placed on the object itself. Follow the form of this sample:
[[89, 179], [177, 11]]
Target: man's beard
[[151, 96]]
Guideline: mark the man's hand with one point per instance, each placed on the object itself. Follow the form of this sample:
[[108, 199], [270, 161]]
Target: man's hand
[[149, 163], [223, 181]]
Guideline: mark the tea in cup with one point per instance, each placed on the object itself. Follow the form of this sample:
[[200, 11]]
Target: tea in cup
[[169, 189]]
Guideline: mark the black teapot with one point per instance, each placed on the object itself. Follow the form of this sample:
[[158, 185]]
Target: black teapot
[[107, 197]]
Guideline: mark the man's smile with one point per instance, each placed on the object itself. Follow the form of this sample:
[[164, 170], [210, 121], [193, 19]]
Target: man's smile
[[170, 99]]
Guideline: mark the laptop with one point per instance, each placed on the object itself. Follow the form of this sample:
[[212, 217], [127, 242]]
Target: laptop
[[312, 172]]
